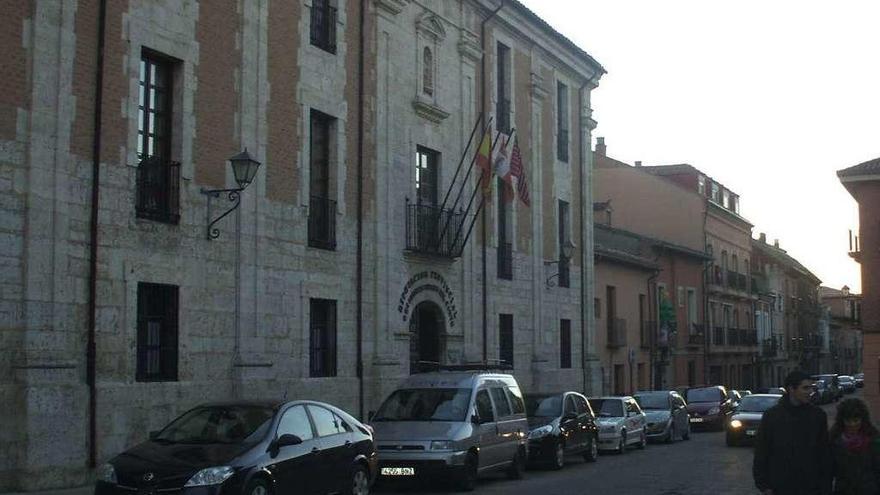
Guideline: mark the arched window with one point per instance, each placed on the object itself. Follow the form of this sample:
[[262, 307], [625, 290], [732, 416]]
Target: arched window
[[428, 72]]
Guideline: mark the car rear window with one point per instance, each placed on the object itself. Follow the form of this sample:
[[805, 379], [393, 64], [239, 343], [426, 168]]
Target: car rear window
[[607, 408], [703, 395]]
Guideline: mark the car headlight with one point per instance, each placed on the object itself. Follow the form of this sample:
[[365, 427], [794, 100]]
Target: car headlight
[[210, 476], [715, 410], [441, 445], [736, 423], [107, 474], [540, 432]]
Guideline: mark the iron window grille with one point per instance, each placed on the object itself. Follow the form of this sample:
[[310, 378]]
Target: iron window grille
[[158, 190], [322, 338], [434, 231], [323, 25], [157, 332], [505, 339], [561, 122], [565, 344], [502, 106], [322, 223], [564, 263], [718, 335], [505, 261]]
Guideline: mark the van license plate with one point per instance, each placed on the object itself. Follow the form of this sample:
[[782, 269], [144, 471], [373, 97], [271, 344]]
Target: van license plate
[[750, 433], [696, 420], [398, 471]]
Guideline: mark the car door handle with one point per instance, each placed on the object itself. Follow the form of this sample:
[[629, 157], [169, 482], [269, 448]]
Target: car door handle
[[315, 450], [348, 443]]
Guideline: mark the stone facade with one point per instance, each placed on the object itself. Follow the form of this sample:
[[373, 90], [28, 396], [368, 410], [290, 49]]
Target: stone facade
[[246, 74]]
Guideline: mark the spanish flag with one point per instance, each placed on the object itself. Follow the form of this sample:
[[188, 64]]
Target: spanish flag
[[484, 161]]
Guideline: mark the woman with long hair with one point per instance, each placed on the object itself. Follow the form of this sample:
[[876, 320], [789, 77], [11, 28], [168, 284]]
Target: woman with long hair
[[855, 446]]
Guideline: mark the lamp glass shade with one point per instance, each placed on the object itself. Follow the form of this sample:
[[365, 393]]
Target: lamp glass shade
[[568, 249], [244, 168]]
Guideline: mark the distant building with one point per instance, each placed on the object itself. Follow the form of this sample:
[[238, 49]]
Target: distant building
[[843, 311], [863, 183]]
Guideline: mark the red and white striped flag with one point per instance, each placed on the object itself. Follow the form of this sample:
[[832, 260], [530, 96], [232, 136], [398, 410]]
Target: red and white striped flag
[[517, 172]]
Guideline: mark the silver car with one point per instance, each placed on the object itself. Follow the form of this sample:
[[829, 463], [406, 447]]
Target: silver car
[[667, 415], [621, 423], [454, 425]]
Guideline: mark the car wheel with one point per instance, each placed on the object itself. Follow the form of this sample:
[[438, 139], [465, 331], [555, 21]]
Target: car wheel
[[257, 486], [467, 478], [621, 447], [643, 442], [360, 481], [592, 452], [558, 459], [518, 466]]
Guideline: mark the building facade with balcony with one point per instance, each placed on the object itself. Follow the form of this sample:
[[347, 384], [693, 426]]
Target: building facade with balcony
[[862, 181], [842, 310], [345, 266], [670, 220]]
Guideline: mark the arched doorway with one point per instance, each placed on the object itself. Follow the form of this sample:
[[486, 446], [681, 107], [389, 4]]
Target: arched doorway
[[426, 326]]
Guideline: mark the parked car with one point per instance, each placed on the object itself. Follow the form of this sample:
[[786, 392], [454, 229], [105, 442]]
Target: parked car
[[743, 426], [832, 382], [559, 425], [822, 393], [621, 423], [859, 378], [709, 407], [771, 390], [735, 396], [666, 413], [457, 425], [847, 384], [249, 448], [744, 393]]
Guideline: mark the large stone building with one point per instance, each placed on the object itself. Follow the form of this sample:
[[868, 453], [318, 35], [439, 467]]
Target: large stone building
[[128, 294], [863, 183], [842, 311]]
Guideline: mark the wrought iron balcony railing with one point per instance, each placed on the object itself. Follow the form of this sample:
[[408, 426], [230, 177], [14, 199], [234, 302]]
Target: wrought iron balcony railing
[[158, 190], [718, 335], [322, 223], [770, 347], [435, 231], [616, 333], [697, 335]]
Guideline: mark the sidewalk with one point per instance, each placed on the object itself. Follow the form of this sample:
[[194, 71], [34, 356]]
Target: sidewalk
[[80, 490]]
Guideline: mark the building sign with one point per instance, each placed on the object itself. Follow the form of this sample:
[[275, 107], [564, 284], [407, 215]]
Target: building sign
[[428, 281]]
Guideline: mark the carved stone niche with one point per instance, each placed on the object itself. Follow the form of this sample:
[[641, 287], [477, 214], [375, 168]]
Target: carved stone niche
[[431, 27], [430, 34], [392, 7]]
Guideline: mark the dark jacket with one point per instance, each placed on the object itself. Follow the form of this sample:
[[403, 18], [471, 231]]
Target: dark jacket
[[792, 451], [856, 473]]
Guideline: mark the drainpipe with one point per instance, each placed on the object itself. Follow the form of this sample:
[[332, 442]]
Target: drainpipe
[[93, 235], [707, 330], [652, 301], [585, 263], [359, 304], [483, 221]]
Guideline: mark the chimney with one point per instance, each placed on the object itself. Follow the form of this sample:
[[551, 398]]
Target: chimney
[[600, 146], [763, 238], [638, 163], [776, 243]]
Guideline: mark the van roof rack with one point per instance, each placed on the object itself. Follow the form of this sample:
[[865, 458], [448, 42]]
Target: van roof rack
[[503, 367]]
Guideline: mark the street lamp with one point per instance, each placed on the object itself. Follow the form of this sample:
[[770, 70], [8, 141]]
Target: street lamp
[[244, 169], [565, 256]]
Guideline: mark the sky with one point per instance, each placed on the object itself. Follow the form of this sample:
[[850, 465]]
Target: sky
[[770, 98]]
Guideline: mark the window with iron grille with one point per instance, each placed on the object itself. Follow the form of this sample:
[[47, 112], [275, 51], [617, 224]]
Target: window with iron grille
[[323, 27], [322, 209], [157, 306], [564, 280], [505, 338], [565, 344], [561, 122], [322, 337], [158, 178], [427, 72], [505, 248], [502, 106]]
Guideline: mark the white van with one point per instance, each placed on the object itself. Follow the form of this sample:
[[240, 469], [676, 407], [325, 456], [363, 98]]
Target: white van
[[457, 423]]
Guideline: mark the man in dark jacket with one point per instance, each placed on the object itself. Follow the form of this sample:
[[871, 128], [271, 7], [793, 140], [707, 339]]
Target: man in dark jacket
[[792, 451]]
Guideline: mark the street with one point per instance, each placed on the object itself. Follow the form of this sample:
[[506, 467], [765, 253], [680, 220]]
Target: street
[[701, 465]]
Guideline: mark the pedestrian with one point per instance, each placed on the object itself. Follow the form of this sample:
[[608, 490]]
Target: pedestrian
[[792, 451], [855, 448]]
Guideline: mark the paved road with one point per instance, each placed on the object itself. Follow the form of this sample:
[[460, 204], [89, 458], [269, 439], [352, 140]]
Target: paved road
[[701, 465]]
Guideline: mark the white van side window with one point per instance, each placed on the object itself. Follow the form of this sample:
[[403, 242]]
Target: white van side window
[[500, 399], [516, 400], [484, 407]]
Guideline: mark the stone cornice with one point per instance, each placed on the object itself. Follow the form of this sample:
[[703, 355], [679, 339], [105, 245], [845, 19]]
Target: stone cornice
[[469, 46], [429, 110], [392, 7], [431, 27], [539, 92], [587, 118]]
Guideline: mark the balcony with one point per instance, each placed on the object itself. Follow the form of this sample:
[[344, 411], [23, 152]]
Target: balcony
[[742, 282], [434, 231], [505, 261], [733, 336], [158, 190], [855, 248], [697, 336], [718, 335], [770, 347], [322, 223], [748, 336], [616, 333]]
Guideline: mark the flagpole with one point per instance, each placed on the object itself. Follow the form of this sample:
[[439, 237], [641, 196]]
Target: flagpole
[[473, 195], [463, 154]]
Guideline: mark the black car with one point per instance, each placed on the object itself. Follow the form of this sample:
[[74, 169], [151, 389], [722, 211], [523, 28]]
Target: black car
[[743, 426], [559, 425], [248, 448], [709, 407]]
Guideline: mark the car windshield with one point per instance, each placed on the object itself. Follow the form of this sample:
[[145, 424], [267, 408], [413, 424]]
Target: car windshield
[[607, 408], [845, 379], [219, 424], [543, 406], [757, 404], [703, 395], [425, 404], [653, 401]]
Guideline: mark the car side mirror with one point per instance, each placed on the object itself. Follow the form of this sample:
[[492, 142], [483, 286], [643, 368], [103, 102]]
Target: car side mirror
[[475, 419], [287, 439], [154, 434]]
